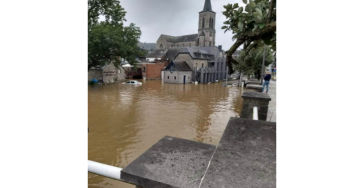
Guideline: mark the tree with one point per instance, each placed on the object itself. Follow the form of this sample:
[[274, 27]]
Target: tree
[[251, 62], [110, 40], [257, 22]]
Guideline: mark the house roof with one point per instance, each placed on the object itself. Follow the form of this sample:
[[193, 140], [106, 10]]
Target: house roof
[[211, 49], [139, 62], [157, 53], [183, 38], [182, 66], [196, 53], [179, 65], [172, 53]]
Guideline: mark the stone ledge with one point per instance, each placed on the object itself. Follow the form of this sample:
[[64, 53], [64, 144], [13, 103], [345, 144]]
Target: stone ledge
[[245, 156], [253, 86], [256, 95], [171, 162]]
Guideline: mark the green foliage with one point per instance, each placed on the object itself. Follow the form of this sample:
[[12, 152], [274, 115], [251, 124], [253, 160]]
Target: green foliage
[[252, 19], [110, 40], [252, 62]]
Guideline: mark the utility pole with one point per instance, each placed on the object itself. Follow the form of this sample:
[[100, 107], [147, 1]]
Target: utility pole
[[227, 68], [263, 69]]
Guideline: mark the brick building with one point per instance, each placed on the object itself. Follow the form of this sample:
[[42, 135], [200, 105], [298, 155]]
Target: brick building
[[152, 70]]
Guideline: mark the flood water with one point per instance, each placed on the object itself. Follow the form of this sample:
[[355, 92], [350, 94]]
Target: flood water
[[125, 121]]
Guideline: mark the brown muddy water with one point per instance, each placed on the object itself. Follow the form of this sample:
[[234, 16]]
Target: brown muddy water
[[125, 121]]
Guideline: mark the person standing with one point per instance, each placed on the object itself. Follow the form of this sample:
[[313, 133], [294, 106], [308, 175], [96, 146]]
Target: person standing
[[266, 78]]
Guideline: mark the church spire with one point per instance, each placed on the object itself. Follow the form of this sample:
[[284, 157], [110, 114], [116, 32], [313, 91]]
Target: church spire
[[207, 6]]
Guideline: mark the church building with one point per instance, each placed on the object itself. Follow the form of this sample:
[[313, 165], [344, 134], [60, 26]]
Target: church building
[[204, 37], [192, 58]]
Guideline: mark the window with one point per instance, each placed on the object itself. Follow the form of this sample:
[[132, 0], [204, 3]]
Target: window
[[210, 43], [202, 64], [188, 77], [183, 45], [168, 77], [177, 45], [161, 46], [175, 77], [189, 44], [143, 69], [210, 34], [203, 22], [212, 23]]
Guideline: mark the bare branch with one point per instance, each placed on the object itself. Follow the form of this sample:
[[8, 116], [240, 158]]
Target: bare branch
[[270, 11], [229, 55], [250, 36]]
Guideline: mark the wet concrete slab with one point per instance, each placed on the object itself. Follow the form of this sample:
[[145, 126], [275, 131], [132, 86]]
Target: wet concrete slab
[[255, 87], [256, 95], [253, 82], [245, 156], [171, 162]]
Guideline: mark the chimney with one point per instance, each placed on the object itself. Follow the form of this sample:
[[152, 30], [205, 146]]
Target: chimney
[[220, 47]]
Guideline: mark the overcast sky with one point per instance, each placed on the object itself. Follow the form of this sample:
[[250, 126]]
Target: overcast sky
[[174, 17]]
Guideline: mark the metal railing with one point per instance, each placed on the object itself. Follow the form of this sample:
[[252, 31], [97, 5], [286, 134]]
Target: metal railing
[[104, 170], [255, 113]]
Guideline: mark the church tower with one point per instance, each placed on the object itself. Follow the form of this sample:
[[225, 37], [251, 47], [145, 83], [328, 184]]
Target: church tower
[[206, 25]]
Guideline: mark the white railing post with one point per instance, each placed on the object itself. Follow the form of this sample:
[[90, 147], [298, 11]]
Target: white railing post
[[255, 113], [104, 170]]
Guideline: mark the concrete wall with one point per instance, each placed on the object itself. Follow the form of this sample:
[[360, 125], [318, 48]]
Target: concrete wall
[[97, 74], [170, 45], [179, 77], [109, 73]]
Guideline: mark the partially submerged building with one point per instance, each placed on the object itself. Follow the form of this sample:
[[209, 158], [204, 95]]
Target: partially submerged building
[[152, 71], [206, 61], [107, 73], [177, 72], [208, 64]]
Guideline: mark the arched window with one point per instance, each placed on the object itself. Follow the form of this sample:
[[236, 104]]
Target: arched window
[[203, 22], [161, 46], [212, 23], [198, 42]]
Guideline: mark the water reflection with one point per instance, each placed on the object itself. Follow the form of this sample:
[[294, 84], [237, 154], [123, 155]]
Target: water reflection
[[126, 120]]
